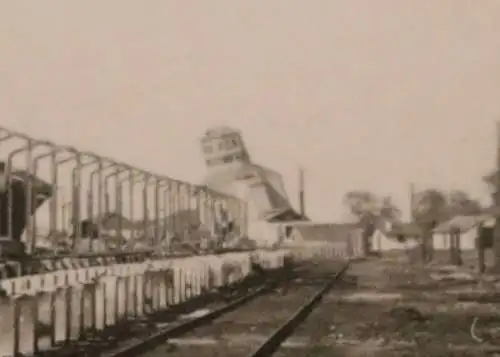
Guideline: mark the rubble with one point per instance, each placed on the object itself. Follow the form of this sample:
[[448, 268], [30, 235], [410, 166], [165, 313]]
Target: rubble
[[425, 310]]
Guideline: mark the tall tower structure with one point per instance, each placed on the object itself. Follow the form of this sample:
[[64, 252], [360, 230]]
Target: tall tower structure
[[230, 170], [222, 147]]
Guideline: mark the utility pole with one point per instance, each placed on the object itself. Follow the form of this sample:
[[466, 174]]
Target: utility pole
[[302, 207], [423, 238], [454, 238], [412, 202], [496, 232]]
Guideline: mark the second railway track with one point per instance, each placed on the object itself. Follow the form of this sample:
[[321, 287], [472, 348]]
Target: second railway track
[[255, 329]]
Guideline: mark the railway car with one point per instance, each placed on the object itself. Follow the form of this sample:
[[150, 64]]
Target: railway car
[[14, 210]]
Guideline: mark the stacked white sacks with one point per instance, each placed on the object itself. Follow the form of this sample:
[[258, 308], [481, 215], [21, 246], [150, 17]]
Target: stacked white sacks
[[71, 301], [270, 259]]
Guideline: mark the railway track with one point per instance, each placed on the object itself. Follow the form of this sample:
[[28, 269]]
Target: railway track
[[134, 335], [255, 324]]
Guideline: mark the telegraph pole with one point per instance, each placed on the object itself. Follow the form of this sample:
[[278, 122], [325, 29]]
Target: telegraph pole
[[423, 239], [302, 207], [496, 232], [412, 202]]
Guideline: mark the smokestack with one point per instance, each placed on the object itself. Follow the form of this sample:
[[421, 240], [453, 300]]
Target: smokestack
[[301, 193], [412, 202], [496, 230]]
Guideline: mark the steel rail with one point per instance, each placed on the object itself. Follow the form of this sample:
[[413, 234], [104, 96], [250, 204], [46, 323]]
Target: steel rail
[[251, 287], [142, 346], [271, 345], [179, 196]]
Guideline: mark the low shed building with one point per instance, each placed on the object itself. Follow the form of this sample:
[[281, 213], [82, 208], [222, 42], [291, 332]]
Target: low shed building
[[467, 226], [393, 236], [342, 239]]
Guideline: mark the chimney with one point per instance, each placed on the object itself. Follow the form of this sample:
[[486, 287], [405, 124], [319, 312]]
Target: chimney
[[301, 193], [412, 202], [496, 230]]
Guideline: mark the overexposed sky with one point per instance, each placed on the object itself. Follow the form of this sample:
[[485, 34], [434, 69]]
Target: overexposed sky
[[364, 94]]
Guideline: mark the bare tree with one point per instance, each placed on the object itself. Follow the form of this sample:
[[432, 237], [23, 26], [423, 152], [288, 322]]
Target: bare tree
[[388, 209], [361, 203], [460, 202], [430, 208], [368, 208], [364, 204]]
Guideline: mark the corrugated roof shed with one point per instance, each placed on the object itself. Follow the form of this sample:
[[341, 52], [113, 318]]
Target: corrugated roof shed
[[462, 223]]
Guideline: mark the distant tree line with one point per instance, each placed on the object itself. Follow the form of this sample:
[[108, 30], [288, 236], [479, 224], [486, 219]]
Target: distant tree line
[[429, 208]]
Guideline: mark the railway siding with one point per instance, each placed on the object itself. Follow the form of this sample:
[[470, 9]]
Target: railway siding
[[247, 331], [116, 246], [130, 291]]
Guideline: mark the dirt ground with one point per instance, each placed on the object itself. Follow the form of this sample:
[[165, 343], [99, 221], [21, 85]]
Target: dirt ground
[[401, 309], [386, 306], [242, 331]]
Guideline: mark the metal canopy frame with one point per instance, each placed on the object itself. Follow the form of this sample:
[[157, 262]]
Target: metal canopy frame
[[170, 195]]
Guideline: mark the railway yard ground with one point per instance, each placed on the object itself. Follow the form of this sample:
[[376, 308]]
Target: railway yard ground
[[402, 309], [246, 329], [382, 307]]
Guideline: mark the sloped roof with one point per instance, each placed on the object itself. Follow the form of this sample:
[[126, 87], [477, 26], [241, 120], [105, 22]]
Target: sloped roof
[[220, 177], [492, 211], [284, 214], [326, 232], [461, 223], [267, 194]]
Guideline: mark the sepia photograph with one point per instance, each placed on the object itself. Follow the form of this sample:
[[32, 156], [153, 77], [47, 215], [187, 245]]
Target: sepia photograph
[[241, 178]]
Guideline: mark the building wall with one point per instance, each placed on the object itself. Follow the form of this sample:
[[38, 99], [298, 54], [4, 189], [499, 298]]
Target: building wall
[[258, 202], [276, 181], [350, 245], [223, 147], [467, 240], [231, 171], [262, 232], [381, 243], [290, 235], [265, 234]]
